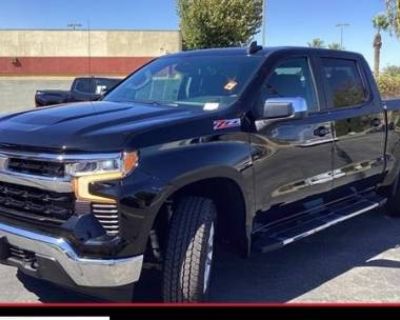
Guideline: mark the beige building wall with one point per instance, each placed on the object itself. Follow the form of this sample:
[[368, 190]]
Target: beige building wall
[[50, 59], [77, 43]]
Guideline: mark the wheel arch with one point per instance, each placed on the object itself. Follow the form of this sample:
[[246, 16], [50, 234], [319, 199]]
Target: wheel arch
[[233, 222]]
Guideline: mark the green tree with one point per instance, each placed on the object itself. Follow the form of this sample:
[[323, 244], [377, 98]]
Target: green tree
[[219, 23], [316, 43], [335, 46], [393, 14], [381, 23], [391, 70]]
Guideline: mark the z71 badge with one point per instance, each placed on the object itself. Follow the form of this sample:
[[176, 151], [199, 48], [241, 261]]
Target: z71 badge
[[226, 124]]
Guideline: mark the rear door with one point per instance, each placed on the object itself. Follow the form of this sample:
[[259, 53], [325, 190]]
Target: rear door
[[358, 122]]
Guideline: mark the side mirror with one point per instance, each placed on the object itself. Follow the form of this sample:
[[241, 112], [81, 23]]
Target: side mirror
[[285, 108], [101, 90]]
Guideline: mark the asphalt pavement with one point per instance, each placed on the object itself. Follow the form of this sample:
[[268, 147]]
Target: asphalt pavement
[[355, 261]]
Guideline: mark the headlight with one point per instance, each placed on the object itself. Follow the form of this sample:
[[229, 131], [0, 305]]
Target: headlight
[[86, 172], [123, 164]]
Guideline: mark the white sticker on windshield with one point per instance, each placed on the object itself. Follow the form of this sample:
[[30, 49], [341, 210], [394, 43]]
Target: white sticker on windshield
[[210, 106]]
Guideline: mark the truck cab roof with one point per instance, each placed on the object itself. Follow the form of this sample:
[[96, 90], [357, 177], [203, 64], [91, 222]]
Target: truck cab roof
[[264, 51]]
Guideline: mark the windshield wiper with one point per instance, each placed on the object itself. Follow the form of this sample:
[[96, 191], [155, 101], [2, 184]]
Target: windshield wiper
[[153, 102]]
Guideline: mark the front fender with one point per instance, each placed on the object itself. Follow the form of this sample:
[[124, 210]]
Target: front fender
[[165, 169], [181, 164]]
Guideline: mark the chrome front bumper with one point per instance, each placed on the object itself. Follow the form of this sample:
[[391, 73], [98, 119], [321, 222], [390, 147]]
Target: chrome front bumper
[[84, 272]]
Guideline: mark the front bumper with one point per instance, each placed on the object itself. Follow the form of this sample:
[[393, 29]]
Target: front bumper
[[82, 271]]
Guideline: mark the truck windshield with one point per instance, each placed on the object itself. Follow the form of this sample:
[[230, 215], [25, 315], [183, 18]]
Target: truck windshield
[[209, 82]]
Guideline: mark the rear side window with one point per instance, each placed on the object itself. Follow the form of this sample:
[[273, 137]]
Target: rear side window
[[84, 85], [344, 84]]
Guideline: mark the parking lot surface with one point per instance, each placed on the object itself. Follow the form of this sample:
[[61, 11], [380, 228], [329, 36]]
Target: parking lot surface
[[356, 261]]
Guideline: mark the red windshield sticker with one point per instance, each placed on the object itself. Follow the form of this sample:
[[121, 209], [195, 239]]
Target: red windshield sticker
[[226, 124]]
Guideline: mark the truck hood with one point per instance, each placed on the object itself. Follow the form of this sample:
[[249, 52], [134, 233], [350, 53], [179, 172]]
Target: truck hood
[[99, 126]]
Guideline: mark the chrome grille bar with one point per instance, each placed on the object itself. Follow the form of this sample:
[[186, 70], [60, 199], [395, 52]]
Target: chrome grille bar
[[61, 185], [58, 157], [56, 184]]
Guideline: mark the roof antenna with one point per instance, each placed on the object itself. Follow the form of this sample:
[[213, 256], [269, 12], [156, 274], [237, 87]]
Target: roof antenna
[[253, 48]]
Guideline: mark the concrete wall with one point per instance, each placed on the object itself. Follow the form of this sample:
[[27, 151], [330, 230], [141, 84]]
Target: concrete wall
[[70, 43], [54, 54], [76, 53], [17, 94]]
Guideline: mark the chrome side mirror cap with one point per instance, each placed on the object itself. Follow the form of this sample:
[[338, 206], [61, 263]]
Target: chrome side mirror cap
[[285, 108]]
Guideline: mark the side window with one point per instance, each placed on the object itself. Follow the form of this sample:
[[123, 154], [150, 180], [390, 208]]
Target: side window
[[343, 82], [84, 86], [291, 79]]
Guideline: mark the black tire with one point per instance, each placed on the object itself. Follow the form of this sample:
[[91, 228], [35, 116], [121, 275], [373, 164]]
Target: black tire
[[392, 206], [187, 248]]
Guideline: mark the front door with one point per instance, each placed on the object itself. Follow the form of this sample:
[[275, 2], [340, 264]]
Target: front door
[[292, 158]]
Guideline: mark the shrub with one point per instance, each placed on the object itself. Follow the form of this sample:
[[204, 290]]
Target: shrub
[[389, 85], [392, 70]]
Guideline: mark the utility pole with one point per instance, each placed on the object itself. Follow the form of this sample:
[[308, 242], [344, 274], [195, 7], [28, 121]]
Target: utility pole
[[264, 22], [89, 49], [74, 26], [342, 26]]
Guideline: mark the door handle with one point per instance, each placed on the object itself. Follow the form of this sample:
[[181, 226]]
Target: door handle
[[321, 131]]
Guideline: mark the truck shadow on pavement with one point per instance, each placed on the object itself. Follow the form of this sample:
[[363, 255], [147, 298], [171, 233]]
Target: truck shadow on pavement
[[278, 276]]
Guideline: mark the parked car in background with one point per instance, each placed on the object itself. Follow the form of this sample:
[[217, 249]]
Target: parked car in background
[[82, 89]]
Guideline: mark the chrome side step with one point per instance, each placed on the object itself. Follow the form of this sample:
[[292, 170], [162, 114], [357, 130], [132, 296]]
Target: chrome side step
[[278, 234], [329, 224]]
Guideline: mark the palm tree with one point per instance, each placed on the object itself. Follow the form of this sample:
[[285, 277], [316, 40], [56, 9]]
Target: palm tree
[[335, 46], [381, 23], [316, 43], [393, 14]]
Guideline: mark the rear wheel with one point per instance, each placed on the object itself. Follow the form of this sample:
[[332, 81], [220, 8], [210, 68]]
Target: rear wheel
[[189, 251]]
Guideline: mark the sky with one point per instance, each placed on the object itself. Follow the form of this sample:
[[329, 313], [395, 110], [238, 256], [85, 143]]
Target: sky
[[288, 22]]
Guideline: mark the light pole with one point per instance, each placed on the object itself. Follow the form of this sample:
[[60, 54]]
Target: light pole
[[341, 26], [89, 48], [264, 11], [74, 25]]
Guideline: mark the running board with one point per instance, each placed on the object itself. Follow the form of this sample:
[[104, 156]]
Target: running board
[[278, 234]]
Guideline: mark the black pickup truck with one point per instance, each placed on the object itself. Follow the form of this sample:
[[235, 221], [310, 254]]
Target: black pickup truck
[[240, 149], [82, 89]]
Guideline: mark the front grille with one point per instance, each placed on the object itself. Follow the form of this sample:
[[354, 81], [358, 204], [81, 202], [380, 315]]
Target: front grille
[[36, 167], [33, 203], [107, 215]]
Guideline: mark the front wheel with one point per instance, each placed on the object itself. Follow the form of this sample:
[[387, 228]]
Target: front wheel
[[189, 251]]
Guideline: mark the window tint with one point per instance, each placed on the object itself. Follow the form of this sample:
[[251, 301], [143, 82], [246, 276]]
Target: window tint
[[84, 85], [291, 79], [344, 84]]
